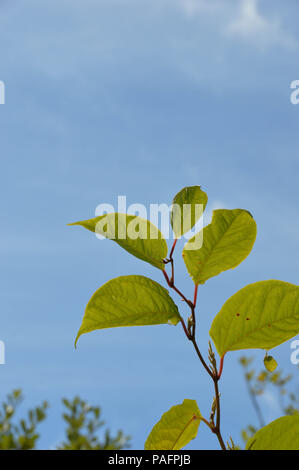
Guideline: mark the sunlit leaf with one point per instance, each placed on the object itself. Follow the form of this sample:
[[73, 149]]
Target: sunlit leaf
[[176, 428], [226, 242], [261, 315], [136, 235], [188, 207], [281, 434], [129, 301]]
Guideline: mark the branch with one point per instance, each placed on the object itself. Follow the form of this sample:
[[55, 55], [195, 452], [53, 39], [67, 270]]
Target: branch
[[217, 427], [190, 334]]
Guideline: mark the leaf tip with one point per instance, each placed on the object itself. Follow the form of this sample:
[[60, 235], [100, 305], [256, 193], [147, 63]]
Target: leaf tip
[[73, 223], [77, 338]]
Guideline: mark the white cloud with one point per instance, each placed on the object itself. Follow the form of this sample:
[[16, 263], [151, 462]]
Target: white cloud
[[243, 20], [193, 7], [250, 25]]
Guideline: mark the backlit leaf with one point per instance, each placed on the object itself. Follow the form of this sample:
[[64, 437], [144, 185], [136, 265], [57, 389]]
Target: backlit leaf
[[176, 428], [281, 434], [129, 301], [226, 242], [188, 207], [261, 315], [136, 235]]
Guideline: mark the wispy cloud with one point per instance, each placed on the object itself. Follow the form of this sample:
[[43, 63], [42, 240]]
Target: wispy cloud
[[193, 7], [252, 26], [243, 20]]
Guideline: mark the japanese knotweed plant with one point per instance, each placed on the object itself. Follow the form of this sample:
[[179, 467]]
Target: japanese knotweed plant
[[261, 315]]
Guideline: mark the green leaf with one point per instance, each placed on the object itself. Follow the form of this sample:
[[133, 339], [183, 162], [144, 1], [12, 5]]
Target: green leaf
[[176, 428], [129, 301], [281, 434], [270, 363], [136, 235], [261, 315], [187, 208], [226, 242]]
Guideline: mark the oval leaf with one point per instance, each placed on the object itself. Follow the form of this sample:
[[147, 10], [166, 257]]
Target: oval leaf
[[281, 434], [261, 315], [226, 242], [176, 428], [187, 208], [136, 235], [129, 301]]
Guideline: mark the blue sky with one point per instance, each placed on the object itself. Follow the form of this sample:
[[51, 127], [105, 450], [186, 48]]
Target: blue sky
[[141, 98]]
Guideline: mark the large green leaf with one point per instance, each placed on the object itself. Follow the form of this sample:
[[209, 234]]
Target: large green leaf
[[261, 315], [176, 428], [136, 235], [281, 434], [129, 301], [187, 208], [226, 242]]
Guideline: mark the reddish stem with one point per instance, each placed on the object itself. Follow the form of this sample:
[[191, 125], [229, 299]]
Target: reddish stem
[[191, 336], [173, 247], [170, 283], [166, 277], [195, 295], [185, 328], [221, 367]]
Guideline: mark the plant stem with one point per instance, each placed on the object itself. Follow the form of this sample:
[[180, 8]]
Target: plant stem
[[195, 295], [201, 358], [216, 430], [173, 247], [206, 422], [190, 334], [172, 286], [185, 328], [221, 367]]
